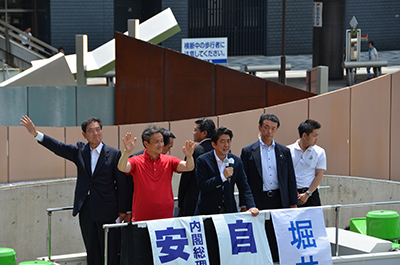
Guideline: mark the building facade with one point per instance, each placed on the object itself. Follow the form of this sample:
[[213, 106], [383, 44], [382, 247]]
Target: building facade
[[253, 27]]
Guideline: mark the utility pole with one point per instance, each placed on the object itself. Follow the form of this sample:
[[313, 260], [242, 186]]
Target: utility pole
[[282, 75]]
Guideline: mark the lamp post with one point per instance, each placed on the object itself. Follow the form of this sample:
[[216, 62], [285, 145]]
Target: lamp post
[[282, 75]]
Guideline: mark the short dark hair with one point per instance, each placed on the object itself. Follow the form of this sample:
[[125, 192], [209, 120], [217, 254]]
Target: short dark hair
[[90, 120], [149, 131], [219, 132], [206, 124], [270, 117], [372, 43], [167, 134], [308, 126]]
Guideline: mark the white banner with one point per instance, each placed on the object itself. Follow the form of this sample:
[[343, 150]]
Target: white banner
[[301, 236], [242, 239], [178, 241]]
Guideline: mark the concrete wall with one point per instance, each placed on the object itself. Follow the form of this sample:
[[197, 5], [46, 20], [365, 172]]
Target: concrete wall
[[354, 190], [360, 127], [58, 105], [24, 220], [25, 226]]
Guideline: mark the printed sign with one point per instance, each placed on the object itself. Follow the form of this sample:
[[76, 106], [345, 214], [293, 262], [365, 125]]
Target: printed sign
[[178, 241], [317, 14], [301, 236], [214, 50], [242, 239]]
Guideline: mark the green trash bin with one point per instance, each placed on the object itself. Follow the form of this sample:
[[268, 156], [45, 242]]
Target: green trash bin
[[36, 262], [7, 256], [383, 224]]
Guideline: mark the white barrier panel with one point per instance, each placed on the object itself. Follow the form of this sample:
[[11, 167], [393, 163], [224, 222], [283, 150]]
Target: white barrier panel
[[301, 236], [242, 239], [178, 241]]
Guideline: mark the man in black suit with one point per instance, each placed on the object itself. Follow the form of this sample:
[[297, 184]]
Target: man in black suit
[[269, 169], [101, 194], [217, 172], [188, 192]]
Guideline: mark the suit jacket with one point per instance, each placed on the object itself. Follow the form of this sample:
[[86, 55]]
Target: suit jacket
[[214, 192], [188, 192], [251, 158], [107, 185]]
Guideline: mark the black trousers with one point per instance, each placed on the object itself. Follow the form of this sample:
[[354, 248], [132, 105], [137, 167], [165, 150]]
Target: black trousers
[[314, 200], [271, 203], [93, 237]]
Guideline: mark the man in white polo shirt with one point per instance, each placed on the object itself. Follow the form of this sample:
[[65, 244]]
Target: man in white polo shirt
[[309, 161]]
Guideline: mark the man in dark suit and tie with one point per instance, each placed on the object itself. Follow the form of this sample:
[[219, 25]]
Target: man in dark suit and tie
[[269, 169], [188, 192], [101, 194], [217, 172]]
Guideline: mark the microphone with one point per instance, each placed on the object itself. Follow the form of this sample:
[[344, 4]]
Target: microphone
[[228, 164]]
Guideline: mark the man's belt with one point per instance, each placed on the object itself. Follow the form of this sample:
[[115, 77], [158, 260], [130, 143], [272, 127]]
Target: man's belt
[[271, 193], [302, 190]]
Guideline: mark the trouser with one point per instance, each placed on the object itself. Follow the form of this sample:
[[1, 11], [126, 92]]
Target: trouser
[[272, 200], [314, 200], [93, 238], [375, 69]]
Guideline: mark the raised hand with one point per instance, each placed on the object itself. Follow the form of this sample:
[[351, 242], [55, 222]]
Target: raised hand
[[189, 148], [28, 124], [128, 142]]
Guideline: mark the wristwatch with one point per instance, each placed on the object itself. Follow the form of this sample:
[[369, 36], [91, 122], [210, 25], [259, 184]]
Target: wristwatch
[[309, 193]]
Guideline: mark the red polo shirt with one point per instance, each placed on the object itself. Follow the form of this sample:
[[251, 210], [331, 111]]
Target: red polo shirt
[[153, 197]]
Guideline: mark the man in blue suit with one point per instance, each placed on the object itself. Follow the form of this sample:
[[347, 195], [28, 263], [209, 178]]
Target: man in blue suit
[[217, 172], [101, 194], [269, 169]]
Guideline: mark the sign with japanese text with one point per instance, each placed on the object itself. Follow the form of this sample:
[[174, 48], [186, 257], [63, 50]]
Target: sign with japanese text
[[178, 241], [242, 239], [301, 236], [317, 14], [214, 50]]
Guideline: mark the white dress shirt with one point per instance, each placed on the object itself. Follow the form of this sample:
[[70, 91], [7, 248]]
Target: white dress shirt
[[94, 156], [268, 164], [221, 167]]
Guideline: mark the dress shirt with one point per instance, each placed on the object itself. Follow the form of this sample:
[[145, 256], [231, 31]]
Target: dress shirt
[[221, 167], [94, 155], [268, 164], [39, 137], [204, 140]]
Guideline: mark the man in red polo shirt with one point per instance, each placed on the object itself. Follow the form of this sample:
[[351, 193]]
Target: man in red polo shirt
[[152, 174]]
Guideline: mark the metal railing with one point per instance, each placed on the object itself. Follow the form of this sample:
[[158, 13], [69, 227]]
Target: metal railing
[[106, 227], [49, 213], [339, 206], [9, 30], [336, 207]]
